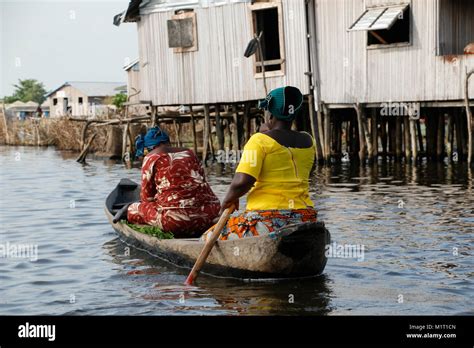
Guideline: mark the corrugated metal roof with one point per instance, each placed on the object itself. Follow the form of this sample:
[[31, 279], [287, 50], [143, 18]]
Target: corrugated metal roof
[[151, 6], [92, 89], [131, 64], [140, 7]]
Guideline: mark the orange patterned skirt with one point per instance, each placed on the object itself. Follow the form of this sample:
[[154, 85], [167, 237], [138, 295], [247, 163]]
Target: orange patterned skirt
[[254, 223]]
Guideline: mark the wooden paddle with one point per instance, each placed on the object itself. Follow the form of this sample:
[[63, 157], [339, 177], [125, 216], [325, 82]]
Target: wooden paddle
[[208, 246]]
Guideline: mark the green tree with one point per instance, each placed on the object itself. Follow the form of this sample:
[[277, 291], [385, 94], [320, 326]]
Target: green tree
[[119, 99], [26, 90]]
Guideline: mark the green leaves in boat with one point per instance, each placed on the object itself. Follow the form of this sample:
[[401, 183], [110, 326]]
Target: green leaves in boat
[[150, 230]]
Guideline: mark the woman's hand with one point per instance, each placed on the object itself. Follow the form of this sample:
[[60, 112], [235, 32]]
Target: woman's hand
[[228, 204]]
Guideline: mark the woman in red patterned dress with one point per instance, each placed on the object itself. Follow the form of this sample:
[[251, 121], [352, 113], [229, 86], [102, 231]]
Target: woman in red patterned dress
[[175, 195]]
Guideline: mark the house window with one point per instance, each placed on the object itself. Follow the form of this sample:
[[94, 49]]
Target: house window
[[266, 18], [456, 28], [55, 101], [80, 100], [385, 26], [182, 32]]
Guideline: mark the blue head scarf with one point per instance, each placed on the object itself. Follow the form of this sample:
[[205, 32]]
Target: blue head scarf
[[155, 137], [140, 146]]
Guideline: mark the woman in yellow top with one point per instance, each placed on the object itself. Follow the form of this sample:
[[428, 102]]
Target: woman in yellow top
[[274, 170]]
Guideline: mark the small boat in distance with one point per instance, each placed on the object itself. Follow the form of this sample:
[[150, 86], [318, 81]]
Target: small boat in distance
[[291, 252]]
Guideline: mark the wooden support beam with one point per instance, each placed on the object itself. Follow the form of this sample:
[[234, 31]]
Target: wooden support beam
[[206, 134], [374, 133], [449, 142], [177, 130], [327, 134], [470, 120], [398, 138], [320, 120], [85, 151], [414, 148], [219, 131], [407, 138], [440, 137], [314, 127], [363, 143], [193, 129], [420, 135], [235, 128], [383, 135], [246, 123]]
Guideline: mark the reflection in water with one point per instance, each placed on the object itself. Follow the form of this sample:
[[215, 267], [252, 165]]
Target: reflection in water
[[415, 223]]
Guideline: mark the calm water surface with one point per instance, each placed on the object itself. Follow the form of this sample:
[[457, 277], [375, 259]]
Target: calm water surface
[[416, 226]]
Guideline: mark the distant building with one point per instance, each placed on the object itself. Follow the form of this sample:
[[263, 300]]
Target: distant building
[[133, 80], [22, 111], [83, 98]]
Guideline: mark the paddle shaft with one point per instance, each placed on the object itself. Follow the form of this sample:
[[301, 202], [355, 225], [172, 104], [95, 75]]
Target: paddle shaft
[[208, 246]]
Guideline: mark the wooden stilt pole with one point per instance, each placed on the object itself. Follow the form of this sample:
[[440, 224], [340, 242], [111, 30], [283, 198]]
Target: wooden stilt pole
[[440, 137], [419, 135], [470, 120], [176, 130], [398, 138], [407, 138], [206, 134], [449, 142], [374, 134], [314, 127], [383, 135], [362, 131], [327, 134], [246, 123], [235, 130], [322, 141], [193, 129], [414, 148], [219, 131]]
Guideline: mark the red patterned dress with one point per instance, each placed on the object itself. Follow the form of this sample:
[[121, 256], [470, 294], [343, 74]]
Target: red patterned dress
[[175, 195]]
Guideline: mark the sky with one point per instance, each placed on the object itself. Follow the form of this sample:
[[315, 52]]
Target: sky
[[56, 41]]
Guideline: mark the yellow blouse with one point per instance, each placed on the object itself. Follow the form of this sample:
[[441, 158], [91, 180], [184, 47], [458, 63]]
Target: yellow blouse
[[282, 174]]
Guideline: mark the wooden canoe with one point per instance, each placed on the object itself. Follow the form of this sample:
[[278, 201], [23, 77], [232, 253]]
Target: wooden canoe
[[294, 251]]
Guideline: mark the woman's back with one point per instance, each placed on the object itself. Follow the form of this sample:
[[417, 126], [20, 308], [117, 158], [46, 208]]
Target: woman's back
[[281, 163], [178, 179]]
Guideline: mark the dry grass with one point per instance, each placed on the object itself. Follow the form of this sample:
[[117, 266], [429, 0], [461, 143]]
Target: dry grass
[[62, 133], [66, 134]]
